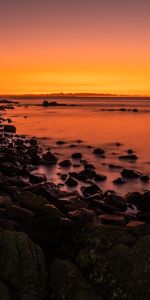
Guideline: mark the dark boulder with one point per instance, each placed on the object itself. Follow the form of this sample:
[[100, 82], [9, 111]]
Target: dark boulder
[[71, 182], [22, 266], [99, 151], [71, 283], [130, 174], [37, 178], [9, 128], [76, 155], [49, 158], [65, 163]]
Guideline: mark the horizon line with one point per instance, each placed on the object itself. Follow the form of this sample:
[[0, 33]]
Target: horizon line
[[74, 95]]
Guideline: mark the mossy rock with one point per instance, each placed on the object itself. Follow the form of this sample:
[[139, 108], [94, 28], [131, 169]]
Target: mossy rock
[[67, 282], [117, 263]]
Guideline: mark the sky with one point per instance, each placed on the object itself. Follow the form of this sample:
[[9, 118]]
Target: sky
[[51, 46]]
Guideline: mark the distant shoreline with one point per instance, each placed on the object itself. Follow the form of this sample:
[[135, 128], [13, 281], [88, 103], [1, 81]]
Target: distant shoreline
[[75, 96]]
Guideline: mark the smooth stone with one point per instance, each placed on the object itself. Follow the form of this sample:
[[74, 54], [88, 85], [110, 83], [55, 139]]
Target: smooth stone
[[130, 174], [90, 190], [65, 163], [99, 151], [128, 157], [76, 155], [117, 201], [113, 220], [81, 216], [49, 158], [71, 182], [120, 181], [37, 178]]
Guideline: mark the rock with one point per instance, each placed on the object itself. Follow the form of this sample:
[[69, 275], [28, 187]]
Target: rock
[[111, 166], [49, 190], [130, 174], [134, 198], [45, 103], [130, 151], [5, 202], [145, 178], [8, 225], [4, 291], [65, 163], [72, 285], [99, 177], [117, 257], [90, 190], [113, 220], [102, 205], [60, 142], [71, 182], [33, 142], [70, 204], [77, 155], [120, 180], [19, 214], [89, 166], [49, 158], [9, 128], [128, 157], [145, 202], [99, 151], [30, 201], [37, 178], [82, 216], [117, 201], [22, 266]]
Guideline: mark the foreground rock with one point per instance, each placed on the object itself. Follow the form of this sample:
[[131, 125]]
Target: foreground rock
[[22, 268], [67, 282], [117, 258]]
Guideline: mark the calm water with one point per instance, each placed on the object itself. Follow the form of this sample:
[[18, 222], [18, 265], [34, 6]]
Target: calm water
[[95, 127]]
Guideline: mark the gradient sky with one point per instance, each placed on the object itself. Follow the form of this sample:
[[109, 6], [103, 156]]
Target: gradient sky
[[98, 46]]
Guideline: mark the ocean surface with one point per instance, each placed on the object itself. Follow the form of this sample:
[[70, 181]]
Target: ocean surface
[[90, 122]]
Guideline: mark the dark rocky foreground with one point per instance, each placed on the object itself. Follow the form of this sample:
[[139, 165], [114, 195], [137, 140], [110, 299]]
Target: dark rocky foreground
[[58, 245]]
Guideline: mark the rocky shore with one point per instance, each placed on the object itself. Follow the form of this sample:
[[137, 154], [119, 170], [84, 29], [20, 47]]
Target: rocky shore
[[57, 244]]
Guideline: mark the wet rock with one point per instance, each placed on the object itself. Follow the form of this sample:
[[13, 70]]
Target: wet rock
[[86, 174], [65, 163], [49, 190], [45, 103], [120, 181], [111, 166], [37, 178], [145, 178], [145, 202], [70, 204], [82, 216], [33, 142], [99, 151], [22, 266], [113, 220], [89, 166], [134, 198], [90, 190], [102, 205], [99, 177], [130, 151], [117, 201], [49, 158], [9, 128], [71, 283], [130, 174], [60, 142], [77, 155], [71, 182], [128, 157], [30, 201]]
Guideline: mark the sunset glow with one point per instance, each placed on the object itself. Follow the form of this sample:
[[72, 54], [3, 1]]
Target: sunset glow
[[85, 46]]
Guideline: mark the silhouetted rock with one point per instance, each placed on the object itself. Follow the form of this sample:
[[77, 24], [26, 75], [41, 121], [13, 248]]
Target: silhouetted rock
[[9, 128]]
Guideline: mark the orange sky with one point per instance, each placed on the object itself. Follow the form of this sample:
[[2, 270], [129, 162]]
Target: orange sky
[[86, 46]]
